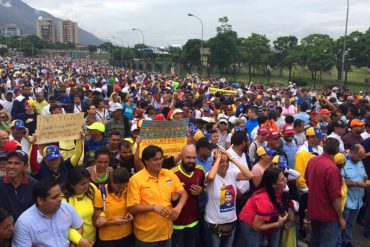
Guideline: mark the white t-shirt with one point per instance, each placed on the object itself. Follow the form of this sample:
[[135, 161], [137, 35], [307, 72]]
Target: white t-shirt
[[221, 208], [7, 105], [317, 150], [341, 144], [243, 185], [365, 135]]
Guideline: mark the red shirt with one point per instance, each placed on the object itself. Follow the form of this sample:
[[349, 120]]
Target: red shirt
[[190, 212], [261, 206], [324, 182]]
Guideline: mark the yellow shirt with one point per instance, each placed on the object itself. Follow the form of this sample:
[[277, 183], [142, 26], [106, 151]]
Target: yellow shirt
[[85, 209], [39, 105], [144, 189], [114, 207], [301, 160]]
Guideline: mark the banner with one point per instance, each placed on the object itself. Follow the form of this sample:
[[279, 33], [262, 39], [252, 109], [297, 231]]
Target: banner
[[171, 135], [59, 127], [214, 90]]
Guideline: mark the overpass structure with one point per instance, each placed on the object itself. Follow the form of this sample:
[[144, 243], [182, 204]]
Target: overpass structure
[[164, 66]]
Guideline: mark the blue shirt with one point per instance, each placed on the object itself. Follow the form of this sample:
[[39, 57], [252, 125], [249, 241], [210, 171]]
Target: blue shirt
[[303, 116], [249, 127], [206, 164], [354, 172], [35, 228], [128, 111], [290, 149]]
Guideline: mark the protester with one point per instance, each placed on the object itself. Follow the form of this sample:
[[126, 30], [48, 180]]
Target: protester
[[220, 213], [264, 213], [186, 227], [325, 181], [100, 171], [6, 227], [151, 207], [48, 205], [79, 193], [265, 155], [114, 221], [16, 186]]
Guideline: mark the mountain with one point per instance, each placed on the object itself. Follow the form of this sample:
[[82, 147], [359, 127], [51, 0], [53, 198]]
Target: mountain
[[24, 16]]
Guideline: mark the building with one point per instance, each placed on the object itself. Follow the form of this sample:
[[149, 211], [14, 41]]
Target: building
[[9, 30], [46, 30], [68, 32]]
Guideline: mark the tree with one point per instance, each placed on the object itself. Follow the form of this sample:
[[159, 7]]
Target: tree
[[92, 48], [190, 55], [284, 47], [318, 54], [256, 51], [224, 47], [175, 54]]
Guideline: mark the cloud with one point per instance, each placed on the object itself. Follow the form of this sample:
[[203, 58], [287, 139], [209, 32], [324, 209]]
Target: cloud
[[166, 22], [5, 3]]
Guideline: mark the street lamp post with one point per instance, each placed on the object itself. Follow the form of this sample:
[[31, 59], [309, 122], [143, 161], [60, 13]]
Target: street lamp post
[[121, 46], [201, 44], [342, 84], [142, 33]]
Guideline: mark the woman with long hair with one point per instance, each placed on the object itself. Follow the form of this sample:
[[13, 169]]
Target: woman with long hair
[[220, 213], [80, 193], [6, 227], [5, 121], [101, 171], [264, 213], [114, 221]]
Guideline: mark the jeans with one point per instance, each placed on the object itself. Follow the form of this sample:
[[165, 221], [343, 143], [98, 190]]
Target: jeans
[[252, 238], [324, 234], [367, 214], [206, 239], [221, 241], [164, 243], [186, 237], [350, 216]]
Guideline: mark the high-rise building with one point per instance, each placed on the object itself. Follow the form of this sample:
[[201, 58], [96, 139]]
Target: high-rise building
[[9, 30], [46, 30], [68, 32]]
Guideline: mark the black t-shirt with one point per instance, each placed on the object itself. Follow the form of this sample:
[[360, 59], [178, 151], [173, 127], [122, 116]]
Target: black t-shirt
[[128, 165], [30, 121]]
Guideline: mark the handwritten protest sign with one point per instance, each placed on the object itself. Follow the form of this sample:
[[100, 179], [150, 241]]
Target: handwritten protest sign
[[58, 127], [171, 136]]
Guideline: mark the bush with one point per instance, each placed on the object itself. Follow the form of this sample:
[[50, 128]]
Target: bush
[[301, 82]]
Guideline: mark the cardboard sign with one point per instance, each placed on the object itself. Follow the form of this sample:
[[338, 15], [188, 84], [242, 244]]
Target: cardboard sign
[[59, 127], [171, 136]]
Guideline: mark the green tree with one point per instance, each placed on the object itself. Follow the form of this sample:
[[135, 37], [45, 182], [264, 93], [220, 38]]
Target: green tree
[[256, 51], [284, 47], [92, 48], [224, 47], [318, 54], [190, 55]]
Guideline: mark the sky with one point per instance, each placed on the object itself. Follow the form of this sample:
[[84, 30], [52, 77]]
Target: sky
[[165, 22]]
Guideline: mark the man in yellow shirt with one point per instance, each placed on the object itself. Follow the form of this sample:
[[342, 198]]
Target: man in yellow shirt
[[149, 198]]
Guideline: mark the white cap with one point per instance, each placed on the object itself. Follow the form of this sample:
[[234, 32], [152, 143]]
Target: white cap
[[116, 107]]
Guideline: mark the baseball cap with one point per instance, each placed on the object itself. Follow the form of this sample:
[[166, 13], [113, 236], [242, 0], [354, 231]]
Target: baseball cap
[[288, 129], [281, 161], [324, 111], [222, 120], [340, 158], [203, 143], [97, 126], [177, 111], [17, 124], [339, 124], [322, 125], [273, 135], [134, 127], [115, 107], [313, 131], [20, 154], [51, 152], [159, 117], [265, 150], [11, 146], [357, 122], [313, 114], [262, 131], [138, 113]]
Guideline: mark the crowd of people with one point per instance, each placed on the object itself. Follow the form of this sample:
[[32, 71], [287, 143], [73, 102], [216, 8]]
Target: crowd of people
[[263, 166]]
